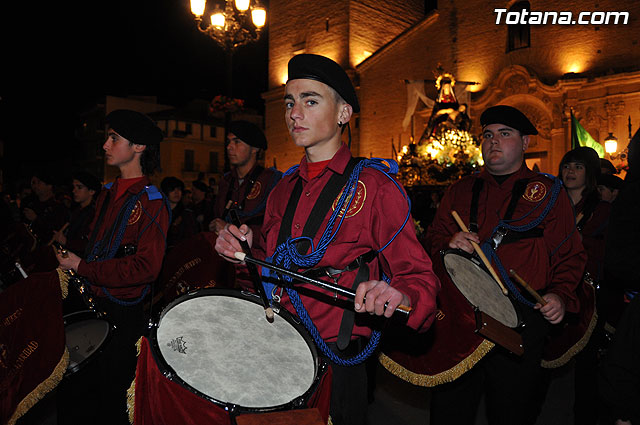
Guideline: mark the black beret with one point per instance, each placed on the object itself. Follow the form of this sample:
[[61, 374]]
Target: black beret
[[134, 126], [607, 165], [203, 187], [509, 116], [610, 181], [249, 133], [323, 69], [89, 180]]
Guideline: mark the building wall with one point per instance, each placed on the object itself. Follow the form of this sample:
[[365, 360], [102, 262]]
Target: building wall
[[591, 68]]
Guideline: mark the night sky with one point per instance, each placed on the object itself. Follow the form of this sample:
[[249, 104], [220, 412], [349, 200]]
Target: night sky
[[60, 58]]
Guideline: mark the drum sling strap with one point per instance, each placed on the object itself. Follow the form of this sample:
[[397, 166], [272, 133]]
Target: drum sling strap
[[501, 235], [329, 193], [251, 181]]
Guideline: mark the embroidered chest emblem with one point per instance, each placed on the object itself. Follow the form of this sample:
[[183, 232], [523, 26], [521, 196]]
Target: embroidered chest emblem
[[356, 204], [255, 191], [535, 191], [135, 214]]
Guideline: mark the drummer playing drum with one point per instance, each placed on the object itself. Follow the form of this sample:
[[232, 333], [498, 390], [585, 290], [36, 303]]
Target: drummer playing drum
[[545, 250], [371, 236]]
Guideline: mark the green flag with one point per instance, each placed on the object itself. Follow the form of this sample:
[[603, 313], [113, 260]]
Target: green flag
[[580, 137]]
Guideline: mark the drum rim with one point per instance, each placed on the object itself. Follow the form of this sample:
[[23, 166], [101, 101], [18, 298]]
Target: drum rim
[[320, 366], [480, 264], [94, 315]]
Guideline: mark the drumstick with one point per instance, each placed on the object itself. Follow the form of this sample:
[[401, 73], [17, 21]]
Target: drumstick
[[478, 250], [253, 271], [62, 229], [526, 286], [405, 310]]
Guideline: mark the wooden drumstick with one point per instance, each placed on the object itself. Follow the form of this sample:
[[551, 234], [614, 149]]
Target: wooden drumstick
[[526, 286], [253, 272], [478, 250], [62, 229], [405, 310]]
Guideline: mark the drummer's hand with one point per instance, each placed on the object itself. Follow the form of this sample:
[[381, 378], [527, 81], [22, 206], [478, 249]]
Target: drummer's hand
[[59, 236], [377, 293], [461, 240], [553, 311], [227, 243], [217, 225], [71, 261]]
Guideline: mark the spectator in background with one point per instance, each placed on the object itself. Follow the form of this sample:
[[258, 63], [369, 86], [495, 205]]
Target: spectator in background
[[609, 186], [606, 167], [202, 207], [43, 213], [183, 223]]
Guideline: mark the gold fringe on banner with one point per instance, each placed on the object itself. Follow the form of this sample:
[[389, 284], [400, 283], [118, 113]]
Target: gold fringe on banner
[[42, 389], [575, 349], [439, 378], [64, 282], [131, 392]]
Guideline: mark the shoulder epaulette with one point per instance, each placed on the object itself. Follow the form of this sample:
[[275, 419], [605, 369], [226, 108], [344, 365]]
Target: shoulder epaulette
[[108, 185], [153, 193]]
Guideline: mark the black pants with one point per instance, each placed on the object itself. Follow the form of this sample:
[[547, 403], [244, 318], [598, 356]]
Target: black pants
[[514, 387], [349, 388], [97, 394]]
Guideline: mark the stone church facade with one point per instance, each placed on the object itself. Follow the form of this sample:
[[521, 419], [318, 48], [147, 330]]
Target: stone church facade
[[545, 70]]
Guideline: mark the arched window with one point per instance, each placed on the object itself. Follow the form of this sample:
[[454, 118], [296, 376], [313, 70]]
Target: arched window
[[518, 34]]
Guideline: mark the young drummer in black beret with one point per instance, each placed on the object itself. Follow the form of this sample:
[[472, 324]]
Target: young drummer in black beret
[[370, 242], [126, 245]]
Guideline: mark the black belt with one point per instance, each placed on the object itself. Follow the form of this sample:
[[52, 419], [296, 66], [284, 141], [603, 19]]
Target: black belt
[[330, 271]]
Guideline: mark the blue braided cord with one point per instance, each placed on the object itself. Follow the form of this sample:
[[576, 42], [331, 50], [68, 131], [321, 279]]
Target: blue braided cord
[[118, 239], [287, 253], [492, 255], [490, 252]]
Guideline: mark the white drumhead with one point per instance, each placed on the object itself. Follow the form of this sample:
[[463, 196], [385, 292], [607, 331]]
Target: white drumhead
[[480, 289], [83, 338], [225, 348]]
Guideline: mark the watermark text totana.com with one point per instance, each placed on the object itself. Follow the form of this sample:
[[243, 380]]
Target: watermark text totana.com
[[530, 17]]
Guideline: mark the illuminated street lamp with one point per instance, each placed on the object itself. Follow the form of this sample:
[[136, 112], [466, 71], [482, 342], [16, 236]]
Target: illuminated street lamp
[[239, 23], [231, 28], [611, 144]]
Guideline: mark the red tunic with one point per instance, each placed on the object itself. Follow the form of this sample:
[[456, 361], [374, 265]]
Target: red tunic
[[552, 263], [126, 277], [377, 212], [594, 233]]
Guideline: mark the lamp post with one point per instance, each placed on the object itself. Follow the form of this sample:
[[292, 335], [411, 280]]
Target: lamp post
[[233, 26]]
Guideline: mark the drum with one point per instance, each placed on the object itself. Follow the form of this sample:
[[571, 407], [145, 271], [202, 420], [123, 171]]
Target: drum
[[86, 336], [473, 280], [217, 344]]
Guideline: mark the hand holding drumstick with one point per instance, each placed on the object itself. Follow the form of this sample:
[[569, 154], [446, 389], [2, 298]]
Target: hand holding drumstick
[[474, 240]]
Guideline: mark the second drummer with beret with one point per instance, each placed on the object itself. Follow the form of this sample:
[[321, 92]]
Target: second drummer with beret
[[542, 246], [361, 240]]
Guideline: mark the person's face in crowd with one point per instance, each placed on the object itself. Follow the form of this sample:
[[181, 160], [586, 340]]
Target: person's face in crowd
[[239, 152], [607, 194], [39, 187], [118, 151], [81, 193], [175, 195], [574, 175], [197, 195], [312, 113], [503, 149]]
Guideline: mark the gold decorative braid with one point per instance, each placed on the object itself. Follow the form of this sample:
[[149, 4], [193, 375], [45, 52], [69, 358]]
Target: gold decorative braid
[[64, 282], [42, 389], [575, 349], [439, 378], [131, 392]]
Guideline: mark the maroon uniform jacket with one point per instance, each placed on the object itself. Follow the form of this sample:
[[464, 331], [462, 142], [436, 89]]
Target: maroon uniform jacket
[[126, 277], [377, 211], [251, 197], [594, 232], [552, 263]]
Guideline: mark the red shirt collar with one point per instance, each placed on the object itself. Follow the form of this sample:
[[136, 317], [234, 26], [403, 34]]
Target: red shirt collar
[[337, 164]]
